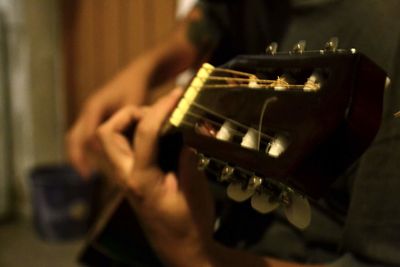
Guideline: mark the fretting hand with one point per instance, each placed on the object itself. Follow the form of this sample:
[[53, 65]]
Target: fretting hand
[[175, 209]]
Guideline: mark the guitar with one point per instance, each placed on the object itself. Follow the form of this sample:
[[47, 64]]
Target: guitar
[[275, 129]]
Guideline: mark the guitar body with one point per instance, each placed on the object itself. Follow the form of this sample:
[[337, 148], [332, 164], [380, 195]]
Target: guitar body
[[117, 239], [319, 131]]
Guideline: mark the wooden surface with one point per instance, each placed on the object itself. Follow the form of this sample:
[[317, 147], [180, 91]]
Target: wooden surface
[[101, 36]]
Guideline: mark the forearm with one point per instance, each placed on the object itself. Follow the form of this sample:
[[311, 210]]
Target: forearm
[[161, 62], [152, 68], [190, 45]]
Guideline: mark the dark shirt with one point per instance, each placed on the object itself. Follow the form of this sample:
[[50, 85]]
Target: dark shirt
[[367, 195]]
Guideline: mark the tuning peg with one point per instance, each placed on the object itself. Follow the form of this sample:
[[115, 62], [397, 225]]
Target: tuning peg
[[226, 173], [225, 133], [299, 47], [202, 162], [297, 209], [264, 202], [277, 146], [332, 44], [237, 192], [272, 49]]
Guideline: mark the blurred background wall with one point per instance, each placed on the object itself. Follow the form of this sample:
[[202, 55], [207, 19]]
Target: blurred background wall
[[31, 87], [102, 36], [5, 170], [54, 53]]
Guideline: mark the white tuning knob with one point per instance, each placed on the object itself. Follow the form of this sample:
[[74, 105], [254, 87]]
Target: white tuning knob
[[264, 202], [250, 139], [277, 146], [225, 133], [298, 210], [237, 192]]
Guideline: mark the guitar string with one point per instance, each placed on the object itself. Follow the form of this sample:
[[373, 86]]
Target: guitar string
[[216, 114], [255, 79], [232, 130], [258, 86], [236, 72], [263, 110], [266, 84], [252, 77], [192, 125], [240, 125]]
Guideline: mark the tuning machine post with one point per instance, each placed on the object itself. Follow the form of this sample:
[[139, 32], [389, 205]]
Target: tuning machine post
[[271, 49], [299, 47], [226, 173], [332, 45], [255, 182], [202, 162]]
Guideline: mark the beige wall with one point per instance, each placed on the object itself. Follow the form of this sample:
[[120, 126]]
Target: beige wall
[[102, 36], [35, 97]]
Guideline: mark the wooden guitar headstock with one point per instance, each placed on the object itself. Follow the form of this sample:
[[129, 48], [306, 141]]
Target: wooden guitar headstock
[[283, 126]]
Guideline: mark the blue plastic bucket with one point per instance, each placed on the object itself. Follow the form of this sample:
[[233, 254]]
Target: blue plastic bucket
[[61, 202]]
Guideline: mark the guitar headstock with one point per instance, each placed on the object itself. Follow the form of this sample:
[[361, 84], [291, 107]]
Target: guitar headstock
[[279, 128]]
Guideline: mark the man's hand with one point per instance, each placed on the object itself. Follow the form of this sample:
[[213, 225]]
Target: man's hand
[[82, 146], [188, 46], [175, 209]]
